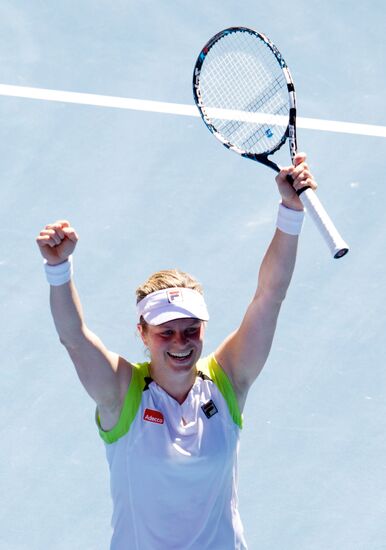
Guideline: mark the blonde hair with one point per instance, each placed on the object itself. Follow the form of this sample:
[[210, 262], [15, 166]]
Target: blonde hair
[[168, 278]]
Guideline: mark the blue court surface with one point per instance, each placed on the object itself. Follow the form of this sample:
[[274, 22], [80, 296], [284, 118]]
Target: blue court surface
[[148, 190]]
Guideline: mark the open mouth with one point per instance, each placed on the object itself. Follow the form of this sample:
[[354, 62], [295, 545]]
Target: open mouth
[[181, 356]]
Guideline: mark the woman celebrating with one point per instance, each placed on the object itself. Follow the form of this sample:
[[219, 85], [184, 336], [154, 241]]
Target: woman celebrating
[[171, 425]]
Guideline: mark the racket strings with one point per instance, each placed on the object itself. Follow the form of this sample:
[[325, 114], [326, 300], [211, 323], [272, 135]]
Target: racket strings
[[266, 103], [241, 84]]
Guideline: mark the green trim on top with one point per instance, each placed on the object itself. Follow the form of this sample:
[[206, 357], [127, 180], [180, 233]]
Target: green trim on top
[[132, 401], [130, 405], [211, 368]]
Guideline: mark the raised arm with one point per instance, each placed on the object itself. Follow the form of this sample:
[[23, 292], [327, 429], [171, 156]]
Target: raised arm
[[103, 373], [243, 354]]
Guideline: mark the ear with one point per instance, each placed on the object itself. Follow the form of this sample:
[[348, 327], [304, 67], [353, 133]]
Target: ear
[[142, 333]]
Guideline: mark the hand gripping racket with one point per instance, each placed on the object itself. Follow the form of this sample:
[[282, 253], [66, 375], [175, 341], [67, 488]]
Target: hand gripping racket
[[246, 97]]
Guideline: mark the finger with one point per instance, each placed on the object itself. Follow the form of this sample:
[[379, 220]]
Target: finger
[[62, 223], [293, 171], [301, 178], [58, 225], [56, 234], [45, 240], [303, 182], [284, 175], [299, 169], [299, 158], [311, 183], [71, 234]]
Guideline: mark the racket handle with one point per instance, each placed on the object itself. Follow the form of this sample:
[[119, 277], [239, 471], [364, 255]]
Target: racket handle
[[338, 247]]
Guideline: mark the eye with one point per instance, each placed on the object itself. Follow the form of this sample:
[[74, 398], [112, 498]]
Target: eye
[[166, 333], [192, 331]]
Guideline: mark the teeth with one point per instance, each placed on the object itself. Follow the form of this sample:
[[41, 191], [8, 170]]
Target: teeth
[[180, 355]]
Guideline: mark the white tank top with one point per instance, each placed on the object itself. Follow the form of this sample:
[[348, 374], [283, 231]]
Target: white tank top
[[173, 467]]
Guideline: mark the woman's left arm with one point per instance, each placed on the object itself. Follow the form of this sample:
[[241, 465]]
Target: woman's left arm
[[243, 354]]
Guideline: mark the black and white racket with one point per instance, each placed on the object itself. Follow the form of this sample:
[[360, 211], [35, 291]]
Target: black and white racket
[[246, 97]]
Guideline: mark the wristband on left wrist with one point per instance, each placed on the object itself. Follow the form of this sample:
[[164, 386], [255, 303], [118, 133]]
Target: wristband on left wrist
[[289, 221]]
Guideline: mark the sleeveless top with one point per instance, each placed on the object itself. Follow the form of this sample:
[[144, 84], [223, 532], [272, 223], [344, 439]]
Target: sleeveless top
[[173, 468]]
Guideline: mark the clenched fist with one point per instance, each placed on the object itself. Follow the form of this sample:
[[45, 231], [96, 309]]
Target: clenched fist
[[57, 242], [301, 176]]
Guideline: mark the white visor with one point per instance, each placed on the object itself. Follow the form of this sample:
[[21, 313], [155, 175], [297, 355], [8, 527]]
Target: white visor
[[172, 303]]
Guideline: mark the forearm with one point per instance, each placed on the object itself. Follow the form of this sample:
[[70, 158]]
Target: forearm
[[279, 262], [278, 265], [67, 313]]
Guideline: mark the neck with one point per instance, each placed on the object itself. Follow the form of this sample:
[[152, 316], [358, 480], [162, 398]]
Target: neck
[[178, 385]]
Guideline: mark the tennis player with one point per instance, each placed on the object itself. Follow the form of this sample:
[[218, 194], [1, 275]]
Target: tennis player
[[171, 426]]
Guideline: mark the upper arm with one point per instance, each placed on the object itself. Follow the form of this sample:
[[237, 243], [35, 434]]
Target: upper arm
[[104, 374], [243, 354]]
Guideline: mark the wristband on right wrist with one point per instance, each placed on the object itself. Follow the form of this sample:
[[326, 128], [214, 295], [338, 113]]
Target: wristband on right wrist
[[289, 221], [59, 274]]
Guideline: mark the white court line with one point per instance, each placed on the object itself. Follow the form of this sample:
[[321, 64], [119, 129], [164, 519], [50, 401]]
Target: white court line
[[173, 108]]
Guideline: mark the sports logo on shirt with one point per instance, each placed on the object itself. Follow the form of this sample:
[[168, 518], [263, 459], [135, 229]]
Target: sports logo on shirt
[[209, 409], [153, 416], [174, 295]]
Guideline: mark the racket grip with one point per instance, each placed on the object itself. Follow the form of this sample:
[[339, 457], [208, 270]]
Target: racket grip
[[338, 247]]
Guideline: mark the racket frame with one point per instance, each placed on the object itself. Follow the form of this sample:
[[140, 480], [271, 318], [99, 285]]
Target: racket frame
[[337, 245], [290, 132]]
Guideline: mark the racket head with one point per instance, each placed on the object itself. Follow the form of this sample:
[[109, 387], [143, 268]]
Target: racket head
[[245, 94]]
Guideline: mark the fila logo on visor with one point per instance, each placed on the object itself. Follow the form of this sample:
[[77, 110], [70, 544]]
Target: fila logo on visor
[[153, 416], [174, 295]]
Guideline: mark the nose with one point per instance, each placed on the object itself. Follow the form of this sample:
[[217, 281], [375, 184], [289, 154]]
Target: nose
[[180, 337]]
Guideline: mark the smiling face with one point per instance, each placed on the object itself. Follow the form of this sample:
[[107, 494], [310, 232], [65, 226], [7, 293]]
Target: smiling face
[[174, 346]]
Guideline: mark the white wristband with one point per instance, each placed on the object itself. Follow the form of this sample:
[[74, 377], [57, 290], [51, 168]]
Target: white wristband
[[289, 221], [59, 274]]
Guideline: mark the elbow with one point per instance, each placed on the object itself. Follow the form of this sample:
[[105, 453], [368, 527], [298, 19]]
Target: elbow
[[281, 295], [274, 286], [69, 343], [275, 294], [72, 341]]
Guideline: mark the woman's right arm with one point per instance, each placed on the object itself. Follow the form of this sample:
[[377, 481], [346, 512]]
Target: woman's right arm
[[103, 373]]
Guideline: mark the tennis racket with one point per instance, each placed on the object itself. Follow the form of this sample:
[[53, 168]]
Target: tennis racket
[[245, 94]]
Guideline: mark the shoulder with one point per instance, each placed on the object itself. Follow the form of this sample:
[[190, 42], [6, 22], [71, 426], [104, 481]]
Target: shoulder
[[211, 368], [109, 415]]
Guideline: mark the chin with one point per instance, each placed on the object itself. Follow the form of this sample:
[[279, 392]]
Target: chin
[[186, 364]]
